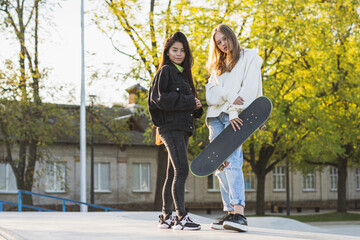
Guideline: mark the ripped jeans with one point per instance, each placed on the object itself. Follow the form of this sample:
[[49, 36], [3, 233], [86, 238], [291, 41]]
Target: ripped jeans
[[231, 178]]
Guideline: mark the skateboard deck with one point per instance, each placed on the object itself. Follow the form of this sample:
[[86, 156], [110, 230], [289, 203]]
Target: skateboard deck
[[216, 152]]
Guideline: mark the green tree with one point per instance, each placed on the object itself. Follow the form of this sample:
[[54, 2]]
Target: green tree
[[295, 40], [273, 29], [147, 27], [331, 89], [146, 32], [197, 21], [25, 121]]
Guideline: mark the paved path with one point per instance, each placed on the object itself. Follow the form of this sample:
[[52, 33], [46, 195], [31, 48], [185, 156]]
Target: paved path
[[143, 225]]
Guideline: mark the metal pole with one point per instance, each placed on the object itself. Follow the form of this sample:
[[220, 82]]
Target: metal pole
[[287, 190], [19, 201], [92, 197], [83, 208]]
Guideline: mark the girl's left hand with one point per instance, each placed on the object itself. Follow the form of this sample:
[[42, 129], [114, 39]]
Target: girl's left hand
[[239, 101], [235, 123]]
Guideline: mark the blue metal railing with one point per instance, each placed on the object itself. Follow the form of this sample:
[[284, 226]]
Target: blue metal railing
[[64, 200], [24, 206]]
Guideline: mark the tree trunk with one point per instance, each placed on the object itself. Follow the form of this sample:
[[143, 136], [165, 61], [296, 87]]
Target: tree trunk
[[260, 194], [342, 175], [26, 170], [161, 174]]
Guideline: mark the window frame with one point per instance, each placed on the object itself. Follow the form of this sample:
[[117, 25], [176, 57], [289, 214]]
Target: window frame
[[250, 175], [214, 181], [140, 176], [98, 170], [276, 175], [8, 174], [54, 175], [312, 176], [334, 174]]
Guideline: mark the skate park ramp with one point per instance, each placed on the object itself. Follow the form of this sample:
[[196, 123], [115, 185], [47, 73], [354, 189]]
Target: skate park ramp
[[143, 225]]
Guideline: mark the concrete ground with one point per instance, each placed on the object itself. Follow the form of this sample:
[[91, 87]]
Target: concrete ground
[[143, 225]]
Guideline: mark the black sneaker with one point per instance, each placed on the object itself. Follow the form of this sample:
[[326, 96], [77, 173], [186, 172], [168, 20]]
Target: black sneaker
[[166, 222], [185, 223], [237, 223], [218, 225]]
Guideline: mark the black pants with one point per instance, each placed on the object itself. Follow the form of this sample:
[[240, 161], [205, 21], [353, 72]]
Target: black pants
[[176, 143]]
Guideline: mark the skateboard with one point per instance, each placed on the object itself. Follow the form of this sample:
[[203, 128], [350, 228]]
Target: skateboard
[[216, 153]]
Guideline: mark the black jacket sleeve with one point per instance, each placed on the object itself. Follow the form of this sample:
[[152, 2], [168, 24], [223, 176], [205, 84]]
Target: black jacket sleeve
[[198, 113], [164, 98]]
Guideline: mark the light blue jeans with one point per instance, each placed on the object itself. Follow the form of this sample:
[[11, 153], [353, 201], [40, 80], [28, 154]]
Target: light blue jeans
[[231, 179]]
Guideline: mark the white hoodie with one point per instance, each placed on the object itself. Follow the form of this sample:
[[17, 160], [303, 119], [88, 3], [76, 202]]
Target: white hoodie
[[244, 80]]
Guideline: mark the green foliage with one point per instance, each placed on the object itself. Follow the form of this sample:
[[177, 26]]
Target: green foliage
[[327, 217], [27, 125], [310, 72]]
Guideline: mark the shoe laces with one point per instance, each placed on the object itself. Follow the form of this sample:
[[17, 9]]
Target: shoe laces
[[167, 218], [226, 216], [188, 219]]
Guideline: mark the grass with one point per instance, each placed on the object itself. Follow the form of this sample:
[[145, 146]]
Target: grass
[[326, 217]]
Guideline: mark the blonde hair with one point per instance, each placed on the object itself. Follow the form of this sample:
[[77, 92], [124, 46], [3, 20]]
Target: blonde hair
[[219, 61]]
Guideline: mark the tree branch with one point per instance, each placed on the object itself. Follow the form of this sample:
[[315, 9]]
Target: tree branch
[[117, 49], [271, 166], [31, 13], [167, 28], [152, 33], [242, 26], [321, 163], [121, 16]]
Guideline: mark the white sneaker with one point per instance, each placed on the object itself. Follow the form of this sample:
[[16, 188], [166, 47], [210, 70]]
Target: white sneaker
[[185, 223], [166, 222]]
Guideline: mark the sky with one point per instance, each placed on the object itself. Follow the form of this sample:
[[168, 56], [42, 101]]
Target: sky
[[60, 50]]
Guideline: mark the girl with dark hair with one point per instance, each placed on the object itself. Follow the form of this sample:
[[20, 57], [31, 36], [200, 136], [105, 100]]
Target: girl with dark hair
[[173, 105]]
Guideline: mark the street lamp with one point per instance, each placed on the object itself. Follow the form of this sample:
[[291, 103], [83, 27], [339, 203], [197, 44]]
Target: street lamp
[[83, 208], [92, 197]]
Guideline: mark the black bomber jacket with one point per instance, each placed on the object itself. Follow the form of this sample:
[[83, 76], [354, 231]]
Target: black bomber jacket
[[171, 101]]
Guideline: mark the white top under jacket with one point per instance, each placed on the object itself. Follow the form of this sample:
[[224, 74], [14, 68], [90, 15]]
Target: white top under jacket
[[244, 80]]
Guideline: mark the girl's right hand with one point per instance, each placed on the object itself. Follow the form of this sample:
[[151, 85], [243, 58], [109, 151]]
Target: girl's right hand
[[198, 104]]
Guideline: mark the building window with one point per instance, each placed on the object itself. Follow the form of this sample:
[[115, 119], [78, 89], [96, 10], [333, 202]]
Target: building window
[[102, 177], [279, 179], [141, 177], [213, 183], [358, 179], [309, 182], [7, 178], [333, 179], [249, 178], [56, 177]]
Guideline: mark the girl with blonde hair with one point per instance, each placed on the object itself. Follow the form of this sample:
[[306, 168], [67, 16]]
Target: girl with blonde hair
[[234, 83]]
